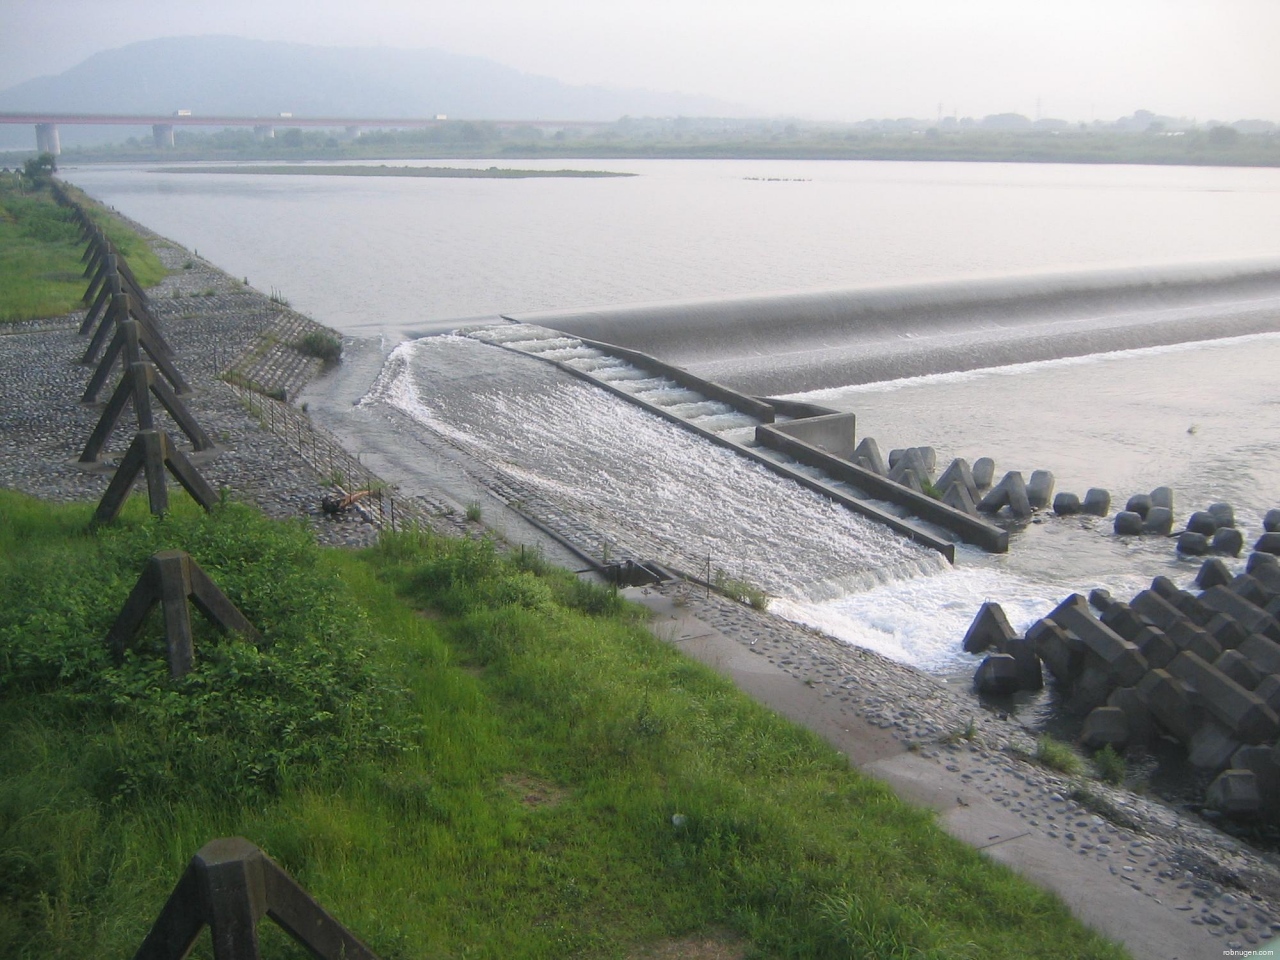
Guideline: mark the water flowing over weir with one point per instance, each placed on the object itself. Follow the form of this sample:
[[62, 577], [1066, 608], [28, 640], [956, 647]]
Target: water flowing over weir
[[653, 490], [619, 480], [810, 340]]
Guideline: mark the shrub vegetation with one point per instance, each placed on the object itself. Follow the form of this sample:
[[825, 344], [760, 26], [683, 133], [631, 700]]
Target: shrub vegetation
[[321, 344]]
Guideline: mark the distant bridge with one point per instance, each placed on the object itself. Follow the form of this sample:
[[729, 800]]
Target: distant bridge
[[47, 139]]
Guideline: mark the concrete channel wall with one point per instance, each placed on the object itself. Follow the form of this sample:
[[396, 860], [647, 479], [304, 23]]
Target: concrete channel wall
[[708, 388], [783, 438], [797, 409], [833, 433]]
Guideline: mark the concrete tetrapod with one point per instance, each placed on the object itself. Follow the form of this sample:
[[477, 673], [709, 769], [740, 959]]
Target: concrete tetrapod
[[997, 675], [1127, 523], [1141, 723], [1169, 701], [1224, 513], [1159, 521], [1123, 662], [1105, 727], [1156, 646], [1234, 792], [1040, 489], [1240, 711], [867, 454], [1097, 502], [1066, 504], [1162, 497], [1239, 668], [984, 472], [958, 498], [1062, 652], [1251, 617], [990, 630], [959, 472], [1213, 572], [1010, 492], [1261, 760]]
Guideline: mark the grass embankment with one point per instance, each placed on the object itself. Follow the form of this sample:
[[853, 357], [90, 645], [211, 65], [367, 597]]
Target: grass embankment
[[41, 274], [458, 754], [446, 173]]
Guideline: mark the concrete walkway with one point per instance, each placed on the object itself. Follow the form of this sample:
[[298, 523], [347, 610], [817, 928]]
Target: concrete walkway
[[1098, 893]]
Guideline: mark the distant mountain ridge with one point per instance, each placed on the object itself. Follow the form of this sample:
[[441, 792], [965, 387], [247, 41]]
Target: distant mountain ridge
[[233, 76]]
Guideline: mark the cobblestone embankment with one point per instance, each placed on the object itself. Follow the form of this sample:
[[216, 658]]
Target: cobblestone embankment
[[239, 351]]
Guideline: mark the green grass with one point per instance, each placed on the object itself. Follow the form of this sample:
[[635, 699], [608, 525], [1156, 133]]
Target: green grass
[[506, 764], [1110, 765], [1059, 756], [740, 590], [40, 270]]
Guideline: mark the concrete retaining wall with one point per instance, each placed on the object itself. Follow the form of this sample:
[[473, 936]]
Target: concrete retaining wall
[[834, 433], [798, 409]]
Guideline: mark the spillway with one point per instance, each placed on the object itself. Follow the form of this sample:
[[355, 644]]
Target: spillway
[[642, 484], [791, 342]]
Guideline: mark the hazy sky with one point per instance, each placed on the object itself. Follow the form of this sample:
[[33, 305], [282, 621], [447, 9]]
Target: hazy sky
[[821, 59]]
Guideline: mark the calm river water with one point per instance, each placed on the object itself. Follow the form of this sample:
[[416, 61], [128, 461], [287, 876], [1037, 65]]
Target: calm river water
[[395, 259]]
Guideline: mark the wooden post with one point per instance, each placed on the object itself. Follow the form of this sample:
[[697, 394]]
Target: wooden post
[[229, 886], [172, 578], [140, 384], [130, 343], [152, 451], [123, 307]]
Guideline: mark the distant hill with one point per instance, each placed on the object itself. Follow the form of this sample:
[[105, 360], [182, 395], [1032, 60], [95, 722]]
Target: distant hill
[[228, 75]]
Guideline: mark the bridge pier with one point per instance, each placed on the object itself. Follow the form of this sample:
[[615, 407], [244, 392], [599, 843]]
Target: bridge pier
[[162, 134], [264, 132], [353, 133], [47, 139]]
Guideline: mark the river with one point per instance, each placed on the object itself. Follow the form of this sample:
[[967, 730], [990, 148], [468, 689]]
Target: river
[[1071, 384]]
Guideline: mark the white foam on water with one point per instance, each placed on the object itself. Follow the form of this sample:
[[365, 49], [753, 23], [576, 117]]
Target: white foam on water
[[643, 482], [676, 396], [597, 364], [699, 409], [732, 425], [922, 621], [579, 352], [621, 372]]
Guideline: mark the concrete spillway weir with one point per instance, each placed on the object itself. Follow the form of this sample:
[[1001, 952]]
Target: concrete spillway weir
[[743, 424]]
